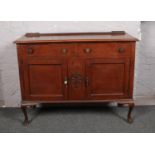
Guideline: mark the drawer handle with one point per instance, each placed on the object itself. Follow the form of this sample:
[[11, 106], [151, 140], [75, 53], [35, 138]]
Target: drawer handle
[[65, 81], [121, 50], [87, 50], [30, 51], [64, 51], [87, 82]]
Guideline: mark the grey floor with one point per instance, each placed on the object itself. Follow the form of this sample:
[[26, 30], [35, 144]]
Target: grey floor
[[78, 120]]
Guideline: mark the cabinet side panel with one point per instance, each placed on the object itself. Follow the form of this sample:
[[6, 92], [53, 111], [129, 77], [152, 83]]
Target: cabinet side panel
[[132, 69], [20, 55]]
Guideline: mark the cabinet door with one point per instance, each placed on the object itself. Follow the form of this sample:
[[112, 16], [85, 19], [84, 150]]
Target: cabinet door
[[107, 78], [45, 79]]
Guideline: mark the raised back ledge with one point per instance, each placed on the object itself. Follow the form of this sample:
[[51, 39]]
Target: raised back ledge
[[75, 37], [75, 33]]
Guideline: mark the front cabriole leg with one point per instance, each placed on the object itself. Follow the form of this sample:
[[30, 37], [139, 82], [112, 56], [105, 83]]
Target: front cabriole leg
[[131, 106], [24, 109]]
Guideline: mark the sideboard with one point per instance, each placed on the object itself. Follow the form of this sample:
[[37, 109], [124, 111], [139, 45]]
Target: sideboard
[[69, 68]]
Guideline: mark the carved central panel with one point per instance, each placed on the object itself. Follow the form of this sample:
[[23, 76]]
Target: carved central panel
[[76, 80]]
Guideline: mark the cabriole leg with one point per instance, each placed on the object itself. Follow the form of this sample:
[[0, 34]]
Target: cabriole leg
[[24, 109], [130, 119]]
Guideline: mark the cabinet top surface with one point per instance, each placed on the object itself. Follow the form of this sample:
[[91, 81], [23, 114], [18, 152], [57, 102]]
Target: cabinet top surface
[[75, 37]]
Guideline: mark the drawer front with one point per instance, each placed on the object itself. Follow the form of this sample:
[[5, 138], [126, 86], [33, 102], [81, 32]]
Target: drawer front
[[54, 50], [106, 50]]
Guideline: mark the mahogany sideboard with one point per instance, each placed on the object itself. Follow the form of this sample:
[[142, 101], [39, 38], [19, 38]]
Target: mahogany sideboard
[[76, 68]]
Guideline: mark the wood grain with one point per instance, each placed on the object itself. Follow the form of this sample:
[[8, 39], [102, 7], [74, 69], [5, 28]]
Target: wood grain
[[72, 68]]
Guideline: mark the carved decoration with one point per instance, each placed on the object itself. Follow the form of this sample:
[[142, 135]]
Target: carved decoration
[[76, 80]]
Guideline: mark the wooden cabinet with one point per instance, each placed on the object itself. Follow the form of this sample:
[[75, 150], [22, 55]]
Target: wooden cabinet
[[76, 68]]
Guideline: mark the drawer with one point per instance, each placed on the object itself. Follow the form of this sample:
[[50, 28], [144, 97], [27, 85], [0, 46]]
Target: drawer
[[112, 49], [54, 50]]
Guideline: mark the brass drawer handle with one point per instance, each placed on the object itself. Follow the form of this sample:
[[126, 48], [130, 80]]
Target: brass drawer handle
[[64, 51], [30, 50], [87, 50], [121, 50]]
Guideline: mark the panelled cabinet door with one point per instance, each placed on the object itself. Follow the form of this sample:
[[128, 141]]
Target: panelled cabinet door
[[45, 79], [107, 78]]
